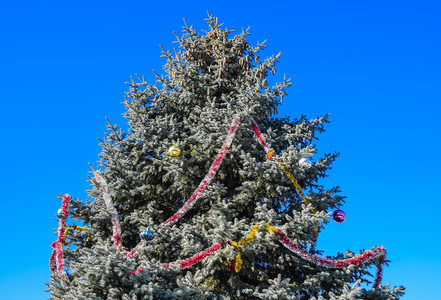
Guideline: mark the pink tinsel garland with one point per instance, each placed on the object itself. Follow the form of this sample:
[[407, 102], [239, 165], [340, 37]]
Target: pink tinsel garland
[[115, 219], [375, 252], [186, 262], [111, 209], [57, 253], [261, 139]]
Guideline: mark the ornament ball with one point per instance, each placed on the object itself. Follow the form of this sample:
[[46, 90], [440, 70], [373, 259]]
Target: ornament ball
[[339, 216], [60, 214], [147, 235], [174, 151], [305, 163]]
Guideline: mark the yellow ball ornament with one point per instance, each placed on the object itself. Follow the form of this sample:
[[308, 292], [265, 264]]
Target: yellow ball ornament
[[174, 151]]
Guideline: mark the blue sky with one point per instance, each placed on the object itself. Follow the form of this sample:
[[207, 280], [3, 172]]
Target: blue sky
[[374, 65]]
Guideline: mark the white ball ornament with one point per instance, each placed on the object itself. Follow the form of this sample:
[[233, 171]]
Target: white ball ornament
[[305, 162], [60, 214]]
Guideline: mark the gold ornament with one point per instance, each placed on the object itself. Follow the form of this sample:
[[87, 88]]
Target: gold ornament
[[174, 151]]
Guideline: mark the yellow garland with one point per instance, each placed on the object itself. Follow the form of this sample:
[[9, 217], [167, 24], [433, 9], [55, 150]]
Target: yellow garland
[[74, 227], [270, 229], [296, 184], [238, 264], [249, 238]]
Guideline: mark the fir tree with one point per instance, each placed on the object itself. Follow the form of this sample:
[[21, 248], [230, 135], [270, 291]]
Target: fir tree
[[247, 215]]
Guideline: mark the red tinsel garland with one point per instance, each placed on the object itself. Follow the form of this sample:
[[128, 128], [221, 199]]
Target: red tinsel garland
[[375, 252], [186, 262], [57, 253]]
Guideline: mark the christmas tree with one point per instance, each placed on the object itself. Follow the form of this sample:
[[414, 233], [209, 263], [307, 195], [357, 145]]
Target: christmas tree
[[209, 195]]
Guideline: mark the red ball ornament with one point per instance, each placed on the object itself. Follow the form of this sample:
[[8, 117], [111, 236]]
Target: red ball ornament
[[339, 216]]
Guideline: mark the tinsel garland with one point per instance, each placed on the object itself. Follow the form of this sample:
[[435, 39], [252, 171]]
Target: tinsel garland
[[374, 252], [115, 219], [269, 151], [73, 227], [294, 181], [66, 231], [56, 261], [183, 264], [237, 261], [111, 209]]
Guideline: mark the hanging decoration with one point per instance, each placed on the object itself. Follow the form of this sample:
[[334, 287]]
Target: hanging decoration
[[147, 235], [237, 261], [115, 219], [174, 151], [295, 183], [59, 214], [56, 261], [374, 252], [73, 227], [305, 163], [111, 209], [339, 216], [269, 151], [183, 264]]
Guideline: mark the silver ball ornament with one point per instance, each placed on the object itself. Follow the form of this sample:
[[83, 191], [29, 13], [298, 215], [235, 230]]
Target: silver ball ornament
[[305, 162], [60, 214]]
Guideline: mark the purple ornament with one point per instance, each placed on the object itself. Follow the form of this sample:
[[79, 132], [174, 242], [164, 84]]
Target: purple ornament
[[339, 216]]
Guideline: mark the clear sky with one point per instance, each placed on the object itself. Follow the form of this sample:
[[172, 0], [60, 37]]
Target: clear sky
[[374, 65]]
